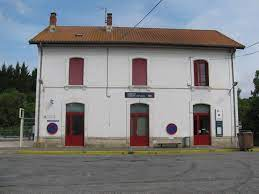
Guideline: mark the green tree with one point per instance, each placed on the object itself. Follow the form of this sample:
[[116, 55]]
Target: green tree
[[25, 79], [16, 77], [249, 108], [9, 76], [33, 80], [256, 84], [10, 102], [17, 89], [3, 78], [253, 114]]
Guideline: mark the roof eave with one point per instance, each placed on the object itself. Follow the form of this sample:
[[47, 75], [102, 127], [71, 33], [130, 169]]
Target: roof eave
[[133, 43]]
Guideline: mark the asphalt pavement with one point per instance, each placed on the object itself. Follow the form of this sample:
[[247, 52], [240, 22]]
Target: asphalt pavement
[[236, 172]]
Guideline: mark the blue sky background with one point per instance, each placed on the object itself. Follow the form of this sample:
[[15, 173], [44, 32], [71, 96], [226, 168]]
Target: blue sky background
[[20, 20]]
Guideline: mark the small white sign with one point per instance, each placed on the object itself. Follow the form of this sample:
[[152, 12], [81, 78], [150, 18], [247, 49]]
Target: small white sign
[[50, 116], [219, 130], [219, 115], [21, 113]]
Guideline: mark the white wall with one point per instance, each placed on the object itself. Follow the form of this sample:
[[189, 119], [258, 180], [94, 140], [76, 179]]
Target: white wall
[[170, 71]]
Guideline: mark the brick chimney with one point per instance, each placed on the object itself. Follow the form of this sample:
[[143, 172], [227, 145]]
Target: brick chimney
[[52, 22], [109, 22]]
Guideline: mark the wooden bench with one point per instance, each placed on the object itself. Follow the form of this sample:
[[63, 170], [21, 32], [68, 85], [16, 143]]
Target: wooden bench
[[168, 142]]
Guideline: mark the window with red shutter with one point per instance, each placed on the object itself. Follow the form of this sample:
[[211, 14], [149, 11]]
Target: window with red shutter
[[201, 73], [139, 72], [76, 71]]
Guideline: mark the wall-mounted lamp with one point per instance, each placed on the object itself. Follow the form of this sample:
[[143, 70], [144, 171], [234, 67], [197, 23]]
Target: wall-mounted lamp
[[40, 81], [51, 101], [233, 85]]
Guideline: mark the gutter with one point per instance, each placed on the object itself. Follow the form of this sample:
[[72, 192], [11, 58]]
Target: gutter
[[137, 44], [39, 93]]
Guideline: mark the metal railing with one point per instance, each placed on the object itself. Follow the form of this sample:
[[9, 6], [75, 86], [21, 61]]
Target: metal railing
[[14, 131]]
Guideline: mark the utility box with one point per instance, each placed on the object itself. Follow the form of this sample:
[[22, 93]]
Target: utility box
[[246, 140]]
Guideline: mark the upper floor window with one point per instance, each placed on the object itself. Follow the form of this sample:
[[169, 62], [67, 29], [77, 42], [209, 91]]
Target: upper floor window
[[139, 71], [76, 71], [201, 73]]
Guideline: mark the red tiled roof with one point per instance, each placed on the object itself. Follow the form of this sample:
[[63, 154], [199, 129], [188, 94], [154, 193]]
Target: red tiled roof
[[138, 36]]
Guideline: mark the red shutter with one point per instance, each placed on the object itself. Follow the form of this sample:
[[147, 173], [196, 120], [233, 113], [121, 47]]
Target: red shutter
[[207, 73], [76, 71], [201, 75], [139, 72], [196, 73]]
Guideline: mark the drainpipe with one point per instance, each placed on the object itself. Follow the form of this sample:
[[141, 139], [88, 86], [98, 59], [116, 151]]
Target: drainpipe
[[107, 73], [233, 87], [39, 93]]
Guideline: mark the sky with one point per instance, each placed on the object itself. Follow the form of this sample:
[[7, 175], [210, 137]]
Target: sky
[[20, 20]]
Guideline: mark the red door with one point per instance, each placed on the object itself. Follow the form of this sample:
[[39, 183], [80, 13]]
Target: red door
[[74, 129], [201, 123], [139, 129]]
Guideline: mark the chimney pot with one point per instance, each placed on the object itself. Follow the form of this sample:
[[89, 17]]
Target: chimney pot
[[109, 22], [53, 22]]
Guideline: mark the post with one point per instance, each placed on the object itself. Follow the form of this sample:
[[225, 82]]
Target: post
[[21, 116], [21, 131]]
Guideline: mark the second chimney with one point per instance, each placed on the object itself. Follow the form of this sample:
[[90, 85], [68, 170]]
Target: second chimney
[[109, 22], [52, 22]]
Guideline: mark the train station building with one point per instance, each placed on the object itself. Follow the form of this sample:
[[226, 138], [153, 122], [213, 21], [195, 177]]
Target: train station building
[[121, 86]]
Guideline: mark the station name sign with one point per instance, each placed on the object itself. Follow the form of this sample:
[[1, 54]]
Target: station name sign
[[139, 95]]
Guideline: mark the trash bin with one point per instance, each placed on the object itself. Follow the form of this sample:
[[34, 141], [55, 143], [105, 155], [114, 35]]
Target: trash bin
[[186, 142], [246, 140]]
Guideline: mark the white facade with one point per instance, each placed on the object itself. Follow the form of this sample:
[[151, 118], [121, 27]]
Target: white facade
[[107, 76]]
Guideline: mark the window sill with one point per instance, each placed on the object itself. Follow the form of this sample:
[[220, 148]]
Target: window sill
[[139, 87], [75, 86], [201, 87]]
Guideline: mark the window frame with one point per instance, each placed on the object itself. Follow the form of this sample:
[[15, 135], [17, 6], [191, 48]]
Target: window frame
[[198, 74], [132, 71], [68, 71]]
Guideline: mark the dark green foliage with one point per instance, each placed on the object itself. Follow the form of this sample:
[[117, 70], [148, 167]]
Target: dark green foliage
[[249, 108], [256, 84], [17, 90], [19, 78], [10, 102]]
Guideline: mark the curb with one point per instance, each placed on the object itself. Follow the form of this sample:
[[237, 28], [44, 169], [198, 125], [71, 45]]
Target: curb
[[126, 152]]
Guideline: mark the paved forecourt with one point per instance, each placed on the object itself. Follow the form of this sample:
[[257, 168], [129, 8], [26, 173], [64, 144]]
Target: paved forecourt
[[190, 173]]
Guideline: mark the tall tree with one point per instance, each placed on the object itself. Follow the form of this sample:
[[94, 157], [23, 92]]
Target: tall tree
[[256, 84], [33, 80], [3, 78], [10, 102], [25, 78], [16, 77], [10, 74], [17, 89]]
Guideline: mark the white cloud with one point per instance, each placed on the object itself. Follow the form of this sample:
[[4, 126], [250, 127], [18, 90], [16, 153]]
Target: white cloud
[[14, 30], [14, 40], [20, 6]]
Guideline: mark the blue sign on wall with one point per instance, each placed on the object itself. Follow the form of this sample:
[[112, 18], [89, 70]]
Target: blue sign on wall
[[171, 129], [52, 128]]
